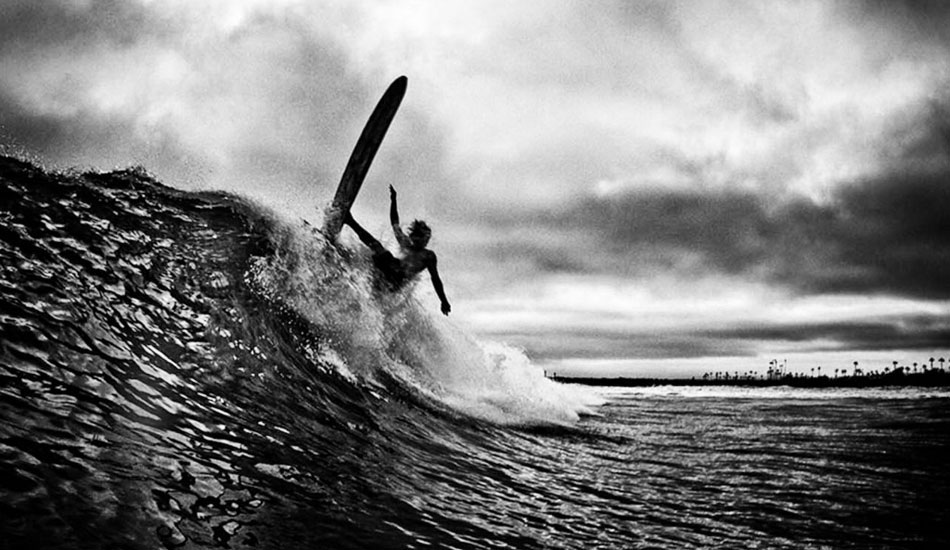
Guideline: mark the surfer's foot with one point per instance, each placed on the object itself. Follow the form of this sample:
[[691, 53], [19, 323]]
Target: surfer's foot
[[348, 219]]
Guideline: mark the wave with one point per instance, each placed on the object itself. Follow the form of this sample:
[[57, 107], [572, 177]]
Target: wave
[[116, 269], [167, 357]]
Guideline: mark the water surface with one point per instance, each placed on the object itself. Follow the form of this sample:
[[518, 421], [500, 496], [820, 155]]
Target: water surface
[[189, 370]]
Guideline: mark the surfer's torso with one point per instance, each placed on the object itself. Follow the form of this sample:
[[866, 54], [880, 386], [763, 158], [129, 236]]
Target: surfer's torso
[[397, 272], [394, 272], [415, 261]]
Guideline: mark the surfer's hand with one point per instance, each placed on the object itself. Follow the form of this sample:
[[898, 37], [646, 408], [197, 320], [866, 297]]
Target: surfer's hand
[[446, 308]]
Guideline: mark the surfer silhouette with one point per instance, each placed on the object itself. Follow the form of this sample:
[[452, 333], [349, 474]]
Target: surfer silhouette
[[397, 272]]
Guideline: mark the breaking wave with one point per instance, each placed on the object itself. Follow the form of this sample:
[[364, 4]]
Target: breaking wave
[[166, 353]]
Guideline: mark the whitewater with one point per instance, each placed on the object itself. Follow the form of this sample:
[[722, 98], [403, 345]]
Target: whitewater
[[193, 370]]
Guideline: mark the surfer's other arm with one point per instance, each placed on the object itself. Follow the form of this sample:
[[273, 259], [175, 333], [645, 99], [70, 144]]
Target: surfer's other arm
[[401, 237], [437, 284]]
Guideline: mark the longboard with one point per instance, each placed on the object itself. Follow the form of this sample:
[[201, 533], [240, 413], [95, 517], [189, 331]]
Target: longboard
[[362, 157]]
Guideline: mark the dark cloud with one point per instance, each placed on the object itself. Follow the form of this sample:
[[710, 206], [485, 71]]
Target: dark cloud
[[30, 24], [906, 332], [919, 19], [731, 229], [88, 139], [895, 333], [886, 235], [896, 232], [267, 105], [577, 343], [890, 234]]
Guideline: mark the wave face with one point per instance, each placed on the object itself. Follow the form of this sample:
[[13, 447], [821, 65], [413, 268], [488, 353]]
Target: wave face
[[190, 370]]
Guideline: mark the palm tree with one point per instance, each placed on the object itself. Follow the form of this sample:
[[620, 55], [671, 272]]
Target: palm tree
[[855, 368], [931, 362], [941, 363]]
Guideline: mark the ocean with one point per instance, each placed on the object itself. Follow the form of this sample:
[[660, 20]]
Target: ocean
[[192, 370]]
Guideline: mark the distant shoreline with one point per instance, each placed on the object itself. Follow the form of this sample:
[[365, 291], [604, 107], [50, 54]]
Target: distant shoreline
[[927, 379]]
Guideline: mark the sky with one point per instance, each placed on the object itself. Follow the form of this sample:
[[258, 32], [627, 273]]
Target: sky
[[617, 188]]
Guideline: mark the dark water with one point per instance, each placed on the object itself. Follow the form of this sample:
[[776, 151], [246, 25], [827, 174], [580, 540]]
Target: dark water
[[779, 468], [189, 370]]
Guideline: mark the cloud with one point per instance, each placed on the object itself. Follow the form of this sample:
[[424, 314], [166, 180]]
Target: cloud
[[33, 26], [919, 333], [241, 96], [797, 146], [553, 319], [889, 234], [636, 324], [888, 333], [791, 99], [514, 105], [578, 343], [882, 234]]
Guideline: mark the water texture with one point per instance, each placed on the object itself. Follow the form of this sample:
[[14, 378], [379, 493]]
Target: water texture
[[190, 370]]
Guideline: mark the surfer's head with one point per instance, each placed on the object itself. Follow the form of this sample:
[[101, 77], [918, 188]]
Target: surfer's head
[[419, 233]]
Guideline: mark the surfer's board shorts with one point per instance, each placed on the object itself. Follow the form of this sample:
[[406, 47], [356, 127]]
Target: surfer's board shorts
[[390, 270]]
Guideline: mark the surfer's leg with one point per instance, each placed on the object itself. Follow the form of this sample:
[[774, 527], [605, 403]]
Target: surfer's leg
[[364, 235], [389, 267]]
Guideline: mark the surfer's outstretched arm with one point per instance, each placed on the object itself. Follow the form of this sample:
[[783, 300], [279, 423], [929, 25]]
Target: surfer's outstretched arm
[[364, 235], [437, 284], [401, 237]]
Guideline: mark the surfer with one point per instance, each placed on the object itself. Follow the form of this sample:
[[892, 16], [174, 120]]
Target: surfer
[[397, 272]]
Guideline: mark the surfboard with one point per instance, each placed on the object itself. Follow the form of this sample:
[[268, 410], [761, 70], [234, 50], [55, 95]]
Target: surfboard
[[362, 157]]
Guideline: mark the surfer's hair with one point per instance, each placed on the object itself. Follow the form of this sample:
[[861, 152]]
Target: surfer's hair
[[419, 229]]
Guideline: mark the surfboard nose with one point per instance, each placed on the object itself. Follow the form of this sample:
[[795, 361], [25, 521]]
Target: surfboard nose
[[362, 157]]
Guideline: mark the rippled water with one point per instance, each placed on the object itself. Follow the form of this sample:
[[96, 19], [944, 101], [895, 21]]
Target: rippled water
[[778, 467], [190, 371]]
